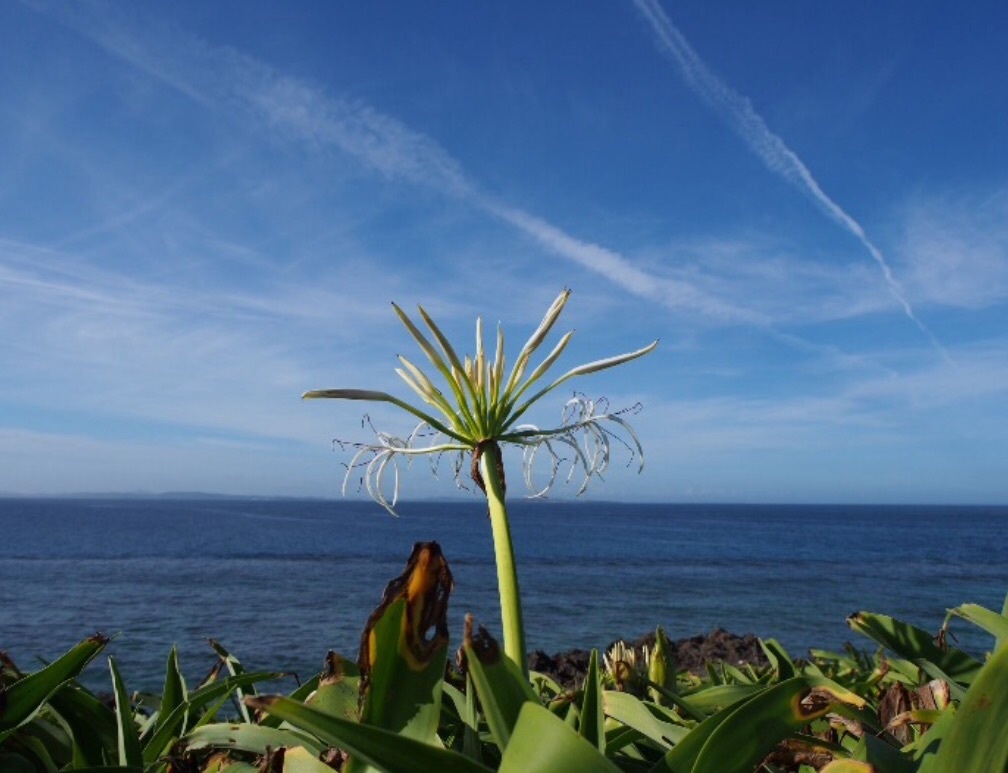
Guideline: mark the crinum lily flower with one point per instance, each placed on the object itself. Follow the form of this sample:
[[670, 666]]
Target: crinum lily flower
[[477, 411]]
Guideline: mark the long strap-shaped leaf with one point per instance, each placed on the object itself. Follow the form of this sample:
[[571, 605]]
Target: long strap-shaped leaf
[[502, 688], [978, 737], [592, 725], [1001, 641], [250, 738], [404, 648], [752, 730], [20, 701], [175, 691], [383, 749], [173, 724], [915, 644], [989, 620], [90, 721], [543, 743], [130, 753], [632, 712], [738, 737]]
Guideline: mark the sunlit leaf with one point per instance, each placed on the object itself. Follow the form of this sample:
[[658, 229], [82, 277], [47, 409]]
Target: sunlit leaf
[[542, 743], [977, 739], [129, 750], [592, 725], [502, 688], [404, 648], [380, 748], [915, 644]]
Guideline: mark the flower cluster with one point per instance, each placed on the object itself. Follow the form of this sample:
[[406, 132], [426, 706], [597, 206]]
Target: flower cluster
[[481, 403]]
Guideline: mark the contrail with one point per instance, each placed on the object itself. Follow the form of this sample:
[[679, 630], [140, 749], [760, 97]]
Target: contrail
[[225, 79], [738, 111], [615, 267]]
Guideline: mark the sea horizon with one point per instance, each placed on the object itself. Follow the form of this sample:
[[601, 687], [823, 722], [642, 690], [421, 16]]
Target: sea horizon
[[551, 499], [281, 581]]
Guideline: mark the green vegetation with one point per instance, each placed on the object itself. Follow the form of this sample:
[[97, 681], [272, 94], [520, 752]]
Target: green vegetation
[[916, 704]]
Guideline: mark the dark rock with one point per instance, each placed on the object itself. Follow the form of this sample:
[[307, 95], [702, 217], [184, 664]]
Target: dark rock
[[568, 668], [692, 654]]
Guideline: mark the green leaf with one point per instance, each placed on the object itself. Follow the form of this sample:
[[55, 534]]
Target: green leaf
[[129, 751], [40, 743], [502, 688], [300, 760], [877, 752], [234, 668], [301, 693], [1002, 640], [681, 757], [402, 670], [170, 722], [175, 691], [542, 743], [249, 738], [779, 659], [15, 763], [618, 737], [926, 747], [338, 689], [739, 736], [592, 725], [990, 621], [91, 723], [978, 736], [380, 748], [215, 691], [751, 730], [19, 701], [635, 713], [466, 718], [915, 644], [711, 699], [849, 766], [680, 702]]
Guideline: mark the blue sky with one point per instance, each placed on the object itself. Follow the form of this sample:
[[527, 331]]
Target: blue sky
[[206, 208]]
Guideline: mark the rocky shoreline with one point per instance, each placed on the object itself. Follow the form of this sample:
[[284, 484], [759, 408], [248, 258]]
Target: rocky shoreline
[[568, 668]]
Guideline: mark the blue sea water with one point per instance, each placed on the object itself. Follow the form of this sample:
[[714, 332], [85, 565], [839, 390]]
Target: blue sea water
[[281, 582]]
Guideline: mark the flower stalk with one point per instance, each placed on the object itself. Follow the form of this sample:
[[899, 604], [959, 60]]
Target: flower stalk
[[491, 469], [475, 414]]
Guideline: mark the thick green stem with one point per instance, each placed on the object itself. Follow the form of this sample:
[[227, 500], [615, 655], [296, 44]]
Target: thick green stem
[[507, 574]]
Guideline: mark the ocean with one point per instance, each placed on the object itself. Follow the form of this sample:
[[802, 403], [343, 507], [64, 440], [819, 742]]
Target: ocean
[[280, 582]]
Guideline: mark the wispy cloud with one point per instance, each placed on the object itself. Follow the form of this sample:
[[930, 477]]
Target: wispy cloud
[[93, 340], [223, 78], [739, 114], [832, 436], [671, 293], [955, 248]]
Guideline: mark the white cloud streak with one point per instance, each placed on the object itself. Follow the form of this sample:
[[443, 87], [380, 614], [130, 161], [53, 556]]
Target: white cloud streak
[[226, 79], [672, 293], [738, 112], [956, 248]]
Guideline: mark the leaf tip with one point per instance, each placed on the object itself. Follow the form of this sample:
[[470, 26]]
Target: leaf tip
[[259, 702]]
